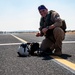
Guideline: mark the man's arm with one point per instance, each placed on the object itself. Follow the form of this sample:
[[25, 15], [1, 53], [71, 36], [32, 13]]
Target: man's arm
[[55, 17]]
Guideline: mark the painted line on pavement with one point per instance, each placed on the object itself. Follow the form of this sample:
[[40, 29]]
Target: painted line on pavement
[[65, 42], [68, 42], [23, 41], [66, 64], [61, 60], [10, 44]]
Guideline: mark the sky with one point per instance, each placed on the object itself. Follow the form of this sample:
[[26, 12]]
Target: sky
[[23, 15]]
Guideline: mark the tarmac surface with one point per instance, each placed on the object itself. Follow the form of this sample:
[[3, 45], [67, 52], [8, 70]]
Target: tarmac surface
[[12, 64]]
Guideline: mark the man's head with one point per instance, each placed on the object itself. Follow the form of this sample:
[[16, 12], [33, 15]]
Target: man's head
[[43, 10]]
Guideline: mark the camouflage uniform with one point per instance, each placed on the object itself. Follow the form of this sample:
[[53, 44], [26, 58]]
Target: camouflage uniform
[[53, 37]]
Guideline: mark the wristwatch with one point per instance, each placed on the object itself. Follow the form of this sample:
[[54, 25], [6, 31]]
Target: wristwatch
[[47, 27]]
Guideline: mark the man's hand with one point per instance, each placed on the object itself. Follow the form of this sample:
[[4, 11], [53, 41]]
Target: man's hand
[[51, 27], [44, 30], [38, 34]]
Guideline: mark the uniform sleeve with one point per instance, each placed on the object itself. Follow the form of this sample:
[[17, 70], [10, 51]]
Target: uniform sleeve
[[41, 26], [55, 17]]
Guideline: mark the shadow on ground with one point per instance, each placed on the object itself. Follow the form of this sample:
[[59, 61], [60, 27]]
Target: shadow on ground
[[64, 56], [48, 57]]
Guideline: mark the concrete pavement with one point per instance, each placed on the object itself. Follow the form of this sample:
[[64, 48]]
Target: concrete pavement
[[11, 64]]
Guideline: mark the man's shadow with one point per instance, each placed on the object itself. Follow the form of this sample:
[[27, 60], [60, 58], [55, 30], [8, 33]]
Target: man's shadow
[[48, 57], [65, 56]]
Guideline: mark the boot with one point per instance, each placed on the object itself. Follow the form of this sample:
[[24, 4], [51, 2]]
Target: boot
[[58, 52]]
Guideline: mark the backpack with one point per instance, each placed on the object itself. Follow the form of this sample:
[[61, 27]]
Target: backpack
[[63, 25], [34, 47], [63, 21]]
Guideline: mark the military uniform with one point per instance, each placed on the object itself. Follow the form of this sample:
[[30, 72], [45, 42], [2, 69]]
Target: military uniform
[[53, 37]]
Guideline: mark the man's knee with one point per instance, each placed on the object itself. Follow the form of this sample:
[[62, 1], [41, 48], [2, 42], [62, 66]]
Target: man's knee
[[58, 30], [46, 43], [58, 33]]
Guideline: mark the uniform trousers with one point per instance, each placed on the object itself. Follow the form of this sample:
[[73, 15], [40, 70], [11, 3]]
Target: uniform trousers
[[54, 42]]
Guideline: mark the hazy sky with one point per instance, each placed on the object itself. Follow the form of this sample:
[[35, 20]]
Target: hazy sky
[[24, 15]]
